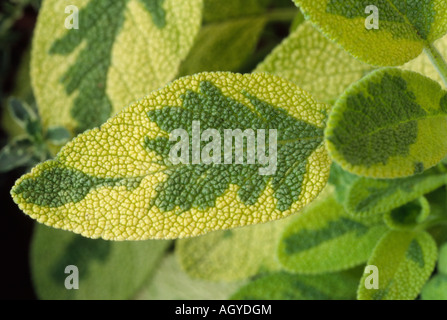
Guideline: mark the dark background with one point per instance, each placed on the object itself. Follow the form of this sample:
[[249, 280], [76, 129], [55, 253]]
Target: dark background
[[16, 227]]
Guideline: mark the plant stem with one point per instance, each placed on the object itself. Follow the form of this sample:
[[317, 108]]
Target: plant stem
[[438, 61]]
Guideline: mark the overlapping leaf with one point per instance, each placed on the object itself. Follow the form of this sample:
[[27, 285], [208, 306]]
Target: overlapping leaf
[[368, 196], [314, 63], [324, 239], [286, 286], [423, 65], [404, 27], [122, 51], [224, 45], [405, 261], [390, 124], [233, 254], [119, 181], [408, 216], [107, 270], [170, 282]]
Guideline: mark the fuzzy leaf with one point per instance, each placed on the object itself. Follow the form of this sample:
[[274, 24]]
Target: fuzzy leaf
[[107, 270], [404, 27], [390, 124], [405, 261], [368, 196], [408, 216], [121, 51], [118, 182], [58, 135], [286, 286], [233, 254], [314, 63], [170, 282], [21, 112], [18, 153], [323, 239]]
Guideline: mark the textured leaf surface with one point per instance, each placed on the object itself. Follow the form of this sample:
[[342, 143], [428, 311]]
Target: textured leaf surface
[[390, 124], [405, 261], [368, 196], [170, 282], [107, 270], [408, 216], [324, 239], [233, 254], [286, 286], [122, 51], [314, 63], [405, 27], [118, 182]]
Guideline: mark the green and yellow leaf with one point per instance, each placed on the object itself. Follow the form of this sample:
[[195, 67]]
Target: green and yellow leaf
[[390, 124], [121, 51], [408, 216], [367, 196], [118, 181], [286, 286], [314, 63], [232, 254], [324, 239], [130, 263], [405, 261], [404, 27], [170, 282]]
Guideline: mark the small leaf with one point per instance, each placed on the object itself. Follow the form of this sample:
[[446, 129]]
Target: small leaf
[[405, 261], [170, 282], [324, 239], [435, 288], [390, 124], [404, 27], [18, 153], [368, 196], [286, 286], [21, 112], [408, 216], [233, 254], [58, 135], [107, 270], [123, 174], [314, 63], [83, 76]]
